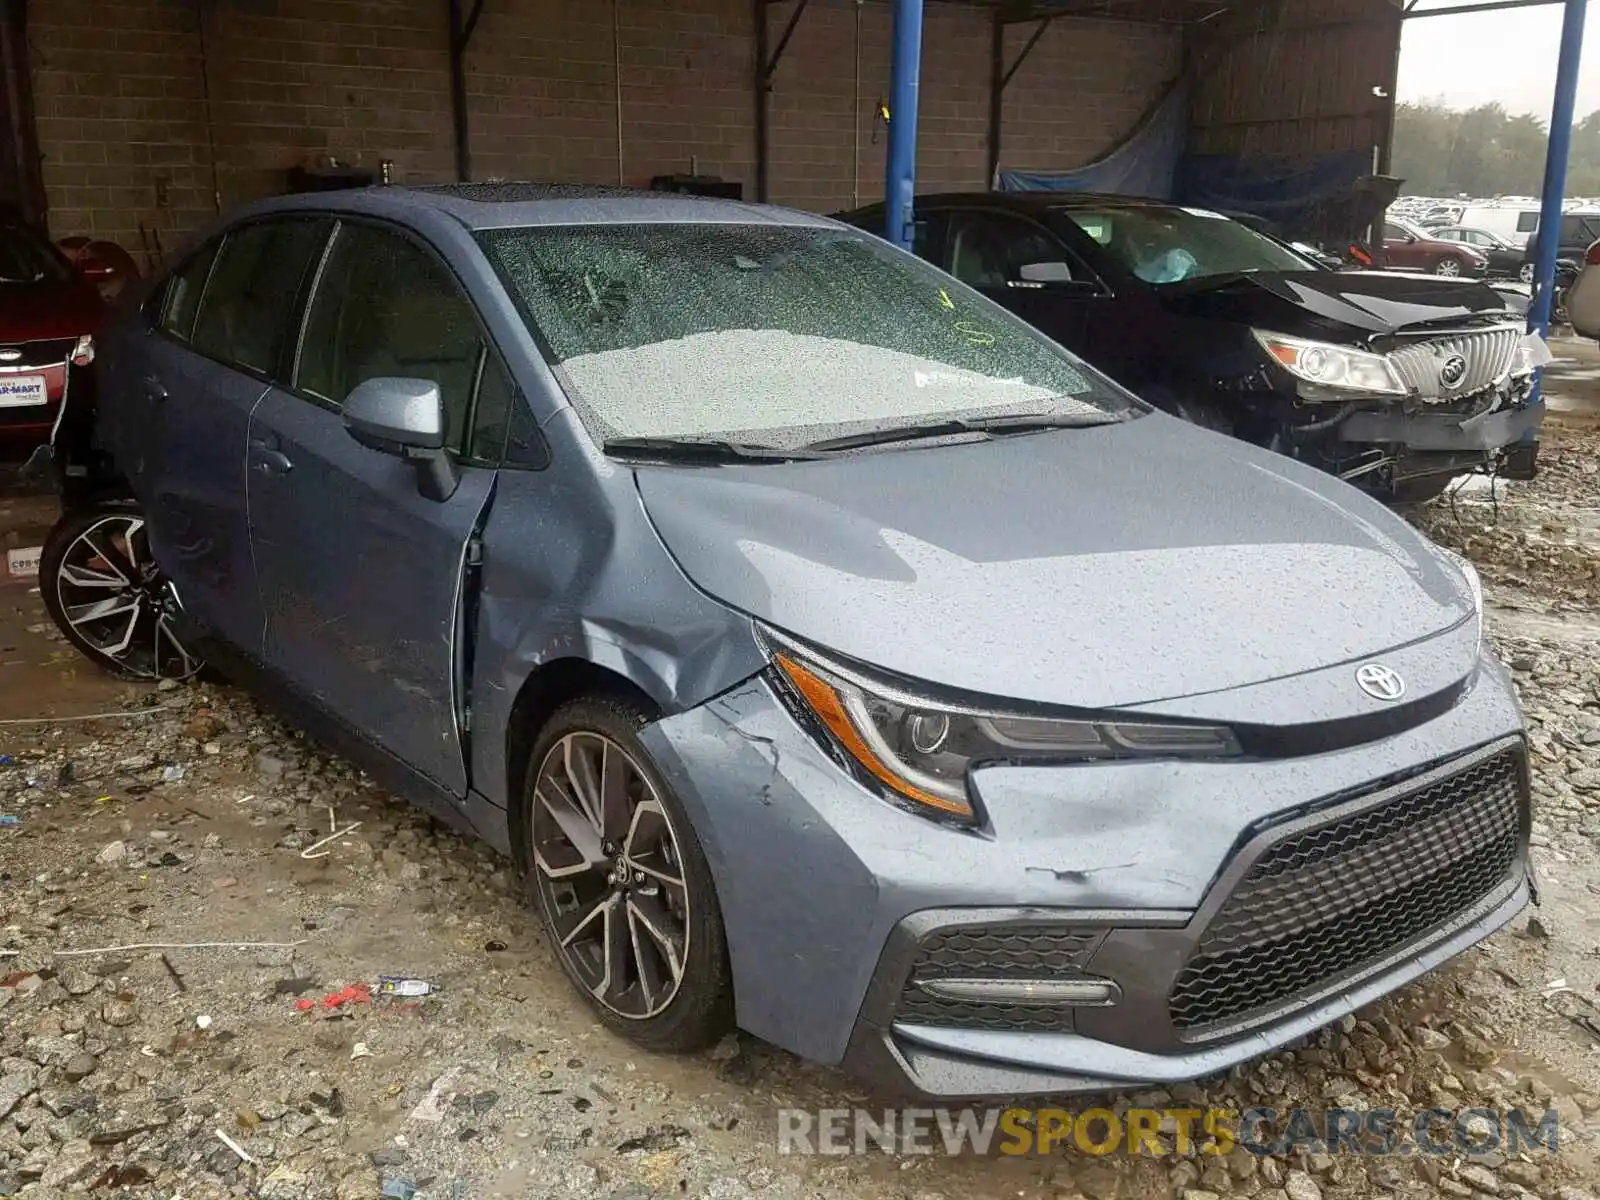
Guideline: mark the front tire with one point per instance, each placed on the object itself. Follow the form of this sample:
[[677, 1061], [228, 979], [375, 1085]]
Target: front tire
[[106, 594], [1448, 268], [621, 881], [1525, 273]]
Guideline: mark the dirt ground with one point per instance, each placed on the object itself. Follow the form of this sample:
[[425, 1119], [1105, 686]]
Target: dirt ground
[[191, 816]]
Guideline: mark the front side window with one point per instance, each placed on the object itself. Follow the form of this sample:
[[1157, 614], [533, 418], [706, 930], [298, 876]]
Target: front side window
[[989, 250], [250, 314], [773, 335], [1161, 244], [386, 306]]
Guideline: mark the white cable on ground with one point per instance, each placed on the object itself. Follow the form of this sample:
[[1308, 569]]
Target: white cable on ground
[[182, 946], [106, 716]]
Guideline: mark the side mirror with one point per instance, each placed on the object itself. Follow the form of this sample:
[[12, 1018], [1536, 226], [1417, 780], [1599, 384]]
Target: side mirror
[[1045, 272], [405, 418]]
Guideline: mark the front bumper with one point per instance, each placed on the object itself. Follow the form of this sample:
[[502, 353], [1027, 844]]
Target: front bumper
[[829, 895], [1441, 431]]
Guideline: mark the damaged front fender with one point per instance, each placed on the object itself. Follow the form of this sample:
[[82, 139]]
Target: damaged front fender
[[563, 578]]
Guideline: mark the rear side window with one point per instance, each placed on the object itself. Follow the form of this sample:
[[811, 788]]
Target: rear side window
[[25, 257], [181, 301], [385, 306], [1527, 222], [250, 312]]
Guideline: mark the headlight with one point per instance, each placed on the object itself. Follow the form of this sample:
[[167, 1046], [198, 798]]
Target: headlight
[[1331, 366], [920, 751], [83, 353]]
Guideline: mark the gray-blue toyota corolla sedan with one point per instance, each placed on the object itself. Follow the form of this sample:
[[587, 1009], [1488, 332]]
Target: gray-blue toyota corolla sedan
[[835, 655]]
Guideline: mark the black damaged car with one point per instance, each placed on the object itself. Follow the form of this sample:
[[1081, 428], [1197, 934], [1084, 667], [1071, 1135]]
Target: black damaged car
[[1393, 381]]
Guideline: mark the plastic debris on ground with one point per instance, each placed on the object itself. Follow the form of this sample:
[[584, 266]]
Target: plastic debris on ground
[[431, 1108], [402, 988]]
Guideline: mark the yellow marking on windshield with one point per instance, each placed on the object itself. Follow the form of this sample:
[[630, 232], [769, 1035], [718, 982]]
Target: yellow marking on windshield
[[944, 299], [976, 335]]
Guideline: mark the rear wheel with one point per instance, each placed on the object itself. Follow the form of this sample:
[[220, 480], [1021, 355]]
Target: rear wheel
[[1448, 267], [105, 592], [621, 882]]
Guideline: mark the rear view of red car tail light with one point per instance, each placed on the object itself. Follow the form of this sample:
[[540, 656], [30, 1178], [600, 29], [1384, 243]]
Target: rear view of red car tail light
[[1592, 258]]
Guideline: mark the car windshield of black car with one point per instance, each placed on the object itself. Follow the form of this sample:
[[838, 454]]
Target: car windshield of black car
[[1171, 244]]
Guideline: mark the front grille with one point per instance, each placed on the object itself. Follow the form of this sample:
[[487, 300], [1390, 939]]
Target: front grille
[[1331, 900], [1489, 354], [49, 352], [994, 952]]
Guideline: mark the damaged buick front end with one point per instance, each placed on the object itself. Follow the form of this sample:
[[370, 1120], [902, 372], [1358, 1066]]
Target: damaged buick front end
[[1395, 382]]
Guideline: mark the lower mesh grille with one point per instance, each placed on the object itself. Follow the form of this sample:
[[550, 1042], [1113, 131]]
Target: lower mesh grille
[[1332, 899], [993, 952]]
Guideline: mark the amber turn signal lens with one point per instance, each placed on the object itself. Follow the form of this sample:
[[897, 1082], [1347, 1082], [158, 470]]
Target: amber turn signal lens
[[824, 700]]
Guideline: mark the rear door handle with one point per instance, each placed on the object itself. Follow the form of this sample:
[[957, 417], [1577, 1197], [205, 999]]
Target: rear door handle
[[268, 461]]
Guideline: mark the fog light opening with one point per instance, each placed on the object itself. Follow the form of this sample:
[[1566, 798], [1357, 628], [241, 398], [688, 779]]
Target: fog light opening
[[1083, 992]]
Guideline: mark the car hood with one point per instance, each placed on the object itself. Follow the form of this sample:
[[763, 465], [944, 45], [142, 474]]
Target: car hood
[[29, 312], [1320, 303], [1091, 568]]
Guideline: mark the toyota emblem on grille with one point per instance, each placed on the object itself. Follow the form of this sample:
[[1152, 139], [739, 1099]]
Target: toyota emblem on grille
[[10, 355], [1381, 682], [1452, 371]]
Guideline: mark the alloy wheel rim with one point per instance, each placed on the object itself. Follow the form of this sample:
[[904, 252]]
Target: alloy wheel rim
[[1449, 267], [609, 870], [115, 598]]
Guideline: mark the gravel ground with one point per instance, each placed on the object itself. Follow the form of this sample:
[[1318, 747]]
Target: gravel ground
[[196, 1072]]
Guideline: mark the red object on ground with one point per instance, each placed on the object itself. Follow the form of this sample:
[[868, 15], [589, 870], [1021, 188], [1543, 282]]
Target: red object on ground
[[356, 993]]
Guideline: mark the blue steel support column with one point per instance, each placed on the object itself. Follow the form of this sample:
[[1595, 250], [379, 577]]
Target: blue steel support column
[[900, 183], [1555, 166]]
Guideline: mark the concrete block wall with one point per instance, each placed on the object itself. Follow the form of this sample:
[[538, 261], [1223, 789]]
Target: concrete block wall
[[139, 126]]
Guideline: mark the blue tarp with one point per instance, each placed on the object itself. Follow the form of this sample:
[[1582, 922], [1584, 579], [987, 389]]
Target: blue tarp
[[1293, 195], [1144, 164]]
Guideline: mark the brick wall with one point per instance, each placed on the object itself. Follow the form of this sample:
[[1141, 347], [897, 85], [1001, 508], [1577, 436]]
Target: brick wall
[[1083, 86], [117, 89], [123, 115]]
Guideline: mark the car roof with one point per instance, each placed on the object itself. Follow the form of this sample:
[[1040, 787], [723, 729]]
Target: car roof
[[1034, 201], [513, 205]]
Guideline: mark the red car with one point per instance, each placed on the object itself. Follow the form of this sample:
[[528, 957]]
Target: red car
[[49, 312], [1408, 248]]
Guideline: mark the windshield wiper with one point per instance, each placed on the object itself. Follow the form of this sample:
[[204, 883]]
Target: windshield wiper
[[1015, 423], [701, 450]]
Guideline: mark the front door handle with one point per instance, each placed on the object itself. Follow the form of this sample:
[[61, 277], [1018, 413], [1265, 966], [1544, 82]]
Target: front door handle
[[272, 462]]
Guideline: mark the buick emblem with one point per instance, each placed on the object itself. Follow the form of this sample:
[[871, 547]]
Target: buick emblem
[[1452, 371], [10, 355], [1380, 682]]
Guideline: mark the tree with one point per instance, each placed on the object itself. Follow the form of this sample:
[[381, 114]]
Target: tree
[[1485, 151]]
